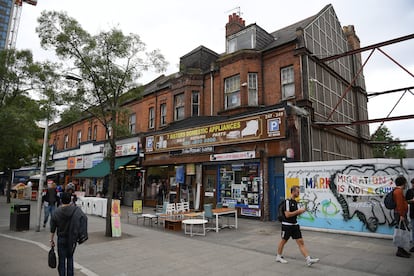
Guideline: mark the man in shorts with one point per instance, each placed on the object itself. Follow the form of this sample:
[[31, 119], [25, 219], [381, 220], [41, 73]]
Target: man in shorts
[[291, 228]]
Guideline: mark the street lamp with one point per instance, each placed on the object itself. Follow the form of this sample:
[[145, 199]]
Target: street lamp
[[42, 174]]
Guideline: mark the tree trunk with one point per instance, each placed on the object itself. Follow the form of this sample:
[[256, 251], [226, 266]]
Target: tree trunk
[[112, 143]]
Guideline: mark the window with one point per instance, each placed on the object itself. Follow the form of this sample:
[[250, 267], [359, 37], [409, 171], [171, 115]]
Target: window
[[89, 133], [66, 142], [179, 107], [232, 92], [252, 85], [79, 137], [163, 114], [195, 103], [151, 118], [95, 133], [245, 39], [131, 123], [287, 78]]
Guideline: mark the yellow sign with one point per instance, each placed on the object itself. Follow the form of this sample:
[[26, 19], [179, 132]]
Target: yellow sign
[[271, 125], [137, 206]]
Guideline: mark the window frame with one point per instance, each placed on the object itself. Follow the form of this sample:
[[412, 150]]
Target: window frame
[[195, 103], [132, 123], [163, 114], [79, 137], [151, 118], [232, 91], [252, 89], [287, 81], [179, 107]]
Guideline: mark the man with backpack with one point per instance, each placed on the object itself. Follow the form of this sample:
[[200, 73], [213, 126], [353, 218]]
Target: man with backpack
[[291, 228], [61, 221]]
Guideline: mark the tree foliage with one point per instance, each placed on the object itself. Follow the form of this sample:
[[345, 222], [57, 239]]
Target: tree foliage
[[386, 147], [19, 136], [108, 65]]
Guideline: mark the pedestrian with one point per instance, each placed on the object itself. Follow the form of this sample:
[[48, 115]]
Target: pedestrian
[[291, 228], [74, 197], [401, 210], [60, 222], [50, 199], [409, 196]]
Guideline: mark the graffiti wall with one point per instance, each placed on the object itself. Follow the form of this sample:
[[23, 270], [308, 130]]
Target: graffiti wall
[[345, 195]]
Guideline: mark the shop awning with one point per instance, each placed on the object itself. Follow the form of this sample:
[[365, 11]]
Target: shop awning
[[37, 176], [102, 169]]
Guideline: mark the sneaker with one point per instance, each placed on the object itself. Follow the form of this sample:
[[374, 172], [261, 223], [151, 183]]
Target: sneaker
[[281, 260], [412, 249], [310, 261], [402, 254]]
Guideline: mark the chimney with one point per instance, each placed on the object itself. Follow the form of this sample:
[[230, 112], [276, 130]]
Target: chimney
[[235, 24], [353, 40]]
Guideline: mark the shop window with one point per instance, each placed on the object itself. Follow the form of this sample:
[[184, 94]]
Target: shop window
[[232, 92]]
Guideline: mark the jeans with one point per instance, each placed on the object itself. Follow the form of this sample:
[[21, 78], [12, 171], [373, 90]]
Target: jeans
[[48, 211], [65, 264], [412, 231]]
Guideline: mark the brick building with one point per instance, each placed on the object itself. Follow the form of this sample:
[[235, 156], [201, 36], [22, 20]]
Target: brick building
[[220, 129]]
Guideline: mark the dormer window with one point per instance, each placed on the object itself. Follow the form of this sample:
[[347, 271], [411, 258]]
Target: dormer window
[[245, 39]]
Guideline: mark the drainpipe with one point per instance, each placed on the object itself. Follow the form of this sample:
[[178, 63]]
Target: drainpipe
[[211, 88]]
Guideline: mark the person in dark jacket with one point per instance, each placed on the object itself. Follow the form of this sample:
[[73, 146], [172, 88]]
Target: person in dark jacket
[[409, 196], [50, 200], [60, 222]]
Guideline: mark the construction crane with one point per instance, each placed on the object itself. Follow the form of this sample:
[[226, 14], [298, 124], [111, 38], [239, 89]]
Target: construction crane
[[16, 12]]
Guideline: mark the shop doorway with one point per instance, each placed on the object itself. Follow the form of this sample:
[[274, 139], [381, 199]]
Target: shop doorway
[[209, 186]]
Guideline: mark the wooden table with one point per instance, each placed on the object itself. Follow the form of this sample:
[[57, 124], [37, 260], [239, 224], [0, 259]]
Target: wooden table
[[191, 223], [172, 224], [225, 211]]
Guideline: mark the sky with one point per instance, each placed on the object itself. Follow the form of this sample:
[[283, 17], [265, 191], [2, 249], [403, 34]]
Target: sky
[[178, 27]]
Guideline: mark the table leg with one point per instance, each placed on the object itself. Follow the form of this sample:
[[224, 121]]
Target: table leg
[[217, 223]]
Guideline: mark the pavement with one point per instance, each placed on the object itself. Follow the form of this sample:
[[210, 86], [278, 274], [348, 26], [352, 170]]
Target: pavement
[[145, 250]]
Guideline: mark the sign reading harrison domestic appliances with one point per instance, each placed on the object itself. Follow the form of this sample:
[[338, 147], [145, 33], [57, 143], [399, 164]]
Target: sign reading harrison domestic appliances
[[271, 125]]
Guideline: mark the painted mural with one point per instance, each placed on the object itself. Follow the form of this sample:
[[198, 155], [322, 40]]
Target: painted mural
[[345, 195]]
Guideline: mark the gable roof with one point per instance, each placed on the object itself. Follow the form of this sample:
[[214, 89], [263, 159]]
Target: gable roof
[[288, 33]]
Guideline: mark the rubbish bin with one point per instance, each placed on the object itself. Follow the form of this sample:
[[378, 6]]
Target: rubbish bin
[[19, 217]]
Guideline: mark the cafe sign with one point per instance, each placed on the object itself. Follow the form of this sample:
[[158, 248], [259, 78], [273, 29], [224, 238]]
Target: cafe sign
[[266, 126]]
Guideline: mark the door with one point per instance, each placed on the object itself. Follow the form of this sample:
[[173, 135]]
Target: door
[[276, 186]]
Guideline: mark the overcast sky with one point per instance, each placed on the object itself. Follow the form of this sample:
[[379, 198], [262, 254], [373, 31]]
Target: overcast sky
[[178, 27]]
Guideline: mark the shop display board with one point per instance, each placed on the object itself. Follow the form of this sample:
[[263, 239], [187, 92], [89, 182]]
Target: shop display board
[[240, 185]]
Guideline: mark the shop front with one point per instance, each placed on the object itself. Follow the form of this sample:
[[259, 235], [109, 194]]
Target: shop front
[[222, 163]]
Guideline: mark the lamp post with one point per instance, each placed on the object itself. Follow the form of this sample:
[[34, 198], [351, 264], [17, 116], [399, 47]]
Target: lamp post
[[42, 174]]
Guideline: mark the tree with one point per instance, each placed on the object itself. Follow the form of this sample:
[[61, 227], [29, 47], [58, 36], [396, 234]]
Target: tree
[[386, 146], [108, 65], [19, 133]]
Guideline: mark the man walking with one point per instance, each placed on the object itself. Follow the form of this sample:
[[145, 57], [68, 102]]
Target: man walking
[[60, 221], [291, 228], [50, 200]]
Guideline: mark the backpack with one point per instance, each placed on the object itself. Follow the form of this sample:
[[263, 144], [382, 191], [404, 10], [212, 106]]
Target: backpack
[[78, 229], [281, 210], [389, 201]]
